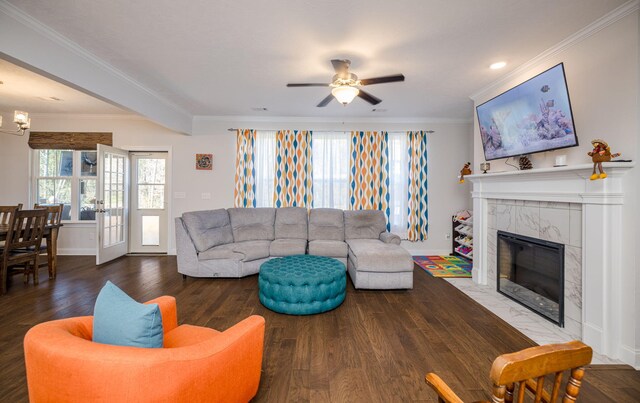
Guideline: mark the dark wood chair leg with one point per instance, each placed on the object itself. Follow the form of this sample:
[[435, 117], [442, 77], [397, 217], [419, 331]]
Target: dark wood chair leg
[[3, 275], [36, 268]]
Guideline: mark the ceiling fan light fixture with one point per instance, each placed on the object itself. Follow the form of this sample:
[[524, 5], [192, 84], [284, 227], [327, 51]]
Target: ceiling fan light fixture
[[345, 93]]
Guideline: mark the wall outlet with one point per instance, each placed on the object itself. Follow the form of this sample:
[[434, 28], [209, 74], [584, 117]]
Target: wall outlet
[[179, 195], [447, 236], [205, 196]]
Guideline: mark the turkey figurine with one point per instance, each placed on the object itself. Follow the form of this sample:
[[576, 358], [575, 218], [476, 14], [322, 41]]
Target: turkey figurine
[[466, 170], [601, 153]]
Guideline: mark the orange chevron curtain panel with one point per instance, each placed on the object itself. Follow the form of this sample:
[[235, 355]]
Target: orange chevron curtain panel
[[293, 172], [369, 171], [418, 220], [244, 193]]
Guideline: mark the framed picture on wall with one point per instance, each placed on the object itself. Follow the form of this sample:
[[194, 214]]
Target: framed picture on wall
[[204, 162]]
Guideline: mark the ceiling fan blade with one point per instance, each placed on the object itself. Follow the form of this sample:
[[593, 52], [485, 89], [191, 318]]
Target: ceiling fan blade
[[308, 85], [325, 101], [340, 65], [380, 80], [369, 98]]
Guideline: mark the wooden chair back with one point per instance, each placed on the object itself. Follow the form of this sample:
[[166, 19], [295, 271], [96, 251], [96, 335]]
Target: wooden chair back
[[54, 212], [6, 212], [22, 246], [527, 370]]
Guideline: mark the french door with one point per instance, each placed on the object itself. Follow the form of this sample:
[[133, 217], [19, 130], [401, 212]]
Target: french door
[[112, 203], [148, 213]]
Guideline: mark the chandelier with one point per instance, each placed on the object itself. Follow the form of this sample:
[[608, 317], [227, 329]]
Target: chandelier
[[22, 120]]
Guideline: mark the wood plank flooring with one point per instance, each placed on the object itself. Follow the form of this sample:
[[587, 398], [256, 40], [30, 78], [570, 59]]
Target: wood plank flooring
[[376, 347]]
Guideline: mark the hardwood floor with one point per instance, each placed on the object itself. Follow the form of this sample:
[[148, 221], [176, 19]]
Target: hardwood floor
[[376, 347]]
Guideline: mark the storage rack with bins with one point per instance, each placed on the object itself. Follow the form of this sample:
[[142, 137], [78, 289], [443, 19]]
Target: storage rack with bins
[[463, 237]]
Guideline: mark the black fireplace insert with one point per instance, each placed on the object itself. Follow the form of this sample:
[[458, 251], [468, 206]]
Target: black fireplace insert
[[531, 272]]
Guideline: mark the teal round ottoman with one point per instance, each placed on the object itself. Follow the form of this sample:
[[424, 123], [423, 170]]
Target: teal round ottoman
[[302, 284]]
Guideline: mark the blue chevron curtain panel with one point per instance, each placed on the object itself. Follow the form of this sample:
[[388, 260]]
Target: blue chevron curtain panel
[[418, 200], [293, 173], [369, 172], [244, 193]]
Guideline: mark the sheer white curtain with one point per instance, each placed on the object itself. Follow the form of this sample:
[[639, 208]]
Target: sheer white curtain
[[330, 169], [264, 157], [398, 183]]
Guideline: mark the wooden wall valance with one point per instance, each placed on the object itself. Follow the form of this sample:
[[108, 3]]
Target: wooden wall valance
[[69, 140]]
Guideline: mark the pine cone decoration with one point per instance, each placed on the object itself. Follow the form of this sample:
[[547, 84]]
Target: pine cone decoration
[[525, 163]]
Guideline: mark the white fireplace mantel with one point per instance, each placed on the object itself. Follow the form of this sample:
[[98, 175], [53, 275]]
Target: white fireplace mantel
[[602, 206]]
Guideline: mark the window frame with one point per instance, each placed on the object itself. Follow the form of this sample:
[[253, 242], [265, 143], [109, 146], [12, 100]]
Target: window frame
[[75, 179]]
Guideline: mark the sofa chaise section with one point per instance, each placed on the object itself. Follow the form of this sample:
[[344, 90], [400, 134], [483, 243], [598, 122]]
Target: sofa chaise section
[[376, 259]]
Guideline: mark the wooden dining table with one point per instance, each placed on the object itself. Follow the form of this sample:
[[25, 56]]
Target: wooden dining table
[[51, 235]]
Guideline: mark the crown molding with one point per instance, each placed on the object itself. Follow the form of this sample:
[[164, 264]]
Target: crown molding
[[591, 29], [311, 119], [88, 116], [44, 30]]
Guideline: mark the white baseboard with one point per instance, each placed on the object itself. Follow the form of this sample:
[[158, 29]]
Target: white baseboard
[[630, 356], [425, 251], [77, 251]]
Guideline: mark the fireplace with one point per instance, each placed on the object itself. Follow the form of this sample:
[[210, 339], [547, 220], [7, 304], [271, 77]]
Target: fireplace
[[531, 272]]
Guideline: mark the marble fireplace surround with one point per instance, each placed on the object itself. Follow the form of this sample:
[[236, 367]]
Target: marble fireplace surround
[[562, 205]]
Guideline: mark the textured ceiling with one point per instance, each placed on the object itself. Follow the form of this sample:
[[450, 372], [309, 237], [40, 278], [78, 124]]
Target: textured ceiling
[[227, 57]]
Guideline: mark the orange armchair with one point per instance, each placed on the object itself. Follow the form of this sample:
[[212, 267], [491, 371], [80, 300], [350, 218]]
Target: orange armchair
[[197, 364]]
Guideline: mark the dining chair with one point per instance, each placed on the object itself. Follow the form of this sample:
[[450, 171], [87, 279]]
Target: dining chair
[[6, 212], [22, 247], [527, 369], [50, 242], [5, 216]]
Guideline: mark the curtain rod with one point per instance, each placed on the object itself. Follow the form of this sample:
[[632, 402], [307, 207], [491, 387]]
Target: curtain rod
[[231, 129]]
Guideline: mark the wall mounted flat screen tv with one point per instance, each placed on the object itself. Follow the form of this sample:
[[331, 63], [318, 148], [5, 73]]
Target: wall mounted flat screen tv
[[532, 117]]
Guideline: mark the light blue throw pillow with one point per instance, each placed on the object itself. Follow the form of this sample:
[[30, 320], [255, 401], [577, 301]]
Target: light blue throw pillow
[[121, 321]]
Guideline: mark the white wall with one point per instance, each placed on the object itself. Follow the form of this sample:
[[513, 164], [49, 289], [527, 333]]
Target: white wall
[[448, 150], [602, 71]]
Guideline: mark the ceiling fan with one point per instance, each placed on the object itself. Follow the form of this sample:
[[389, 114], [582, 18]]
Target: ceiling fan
[[345, 84]]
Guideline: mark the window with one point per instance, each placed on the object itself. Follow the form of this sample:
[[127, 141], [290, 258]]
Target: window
[[398, 183], [265, 162], [67, 177], [330, 160]]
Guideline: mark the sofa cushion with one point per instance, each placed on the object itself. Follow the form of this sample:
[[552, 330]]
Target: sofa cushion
[[364, 224], [221, 252], [326, 224], [252, 250], [208, 228], [288, 247], [121, 321], [251, 224], [291, 222], [376, 256], [322, 247]]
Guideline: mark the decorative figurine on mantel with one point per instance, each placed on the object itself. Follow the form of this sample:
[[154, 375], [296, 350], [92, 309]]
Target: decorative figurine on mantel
[[466, 170], [601, 153]]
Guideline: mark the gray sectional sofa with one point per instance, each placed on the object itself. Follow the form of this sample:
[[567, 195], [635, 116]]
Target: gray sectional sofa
[[235, 242]]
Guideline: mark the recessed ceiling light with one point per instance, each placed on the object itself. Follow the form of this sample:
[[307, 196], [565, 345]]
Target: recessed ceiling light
[[259, 109], [497, 65]]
